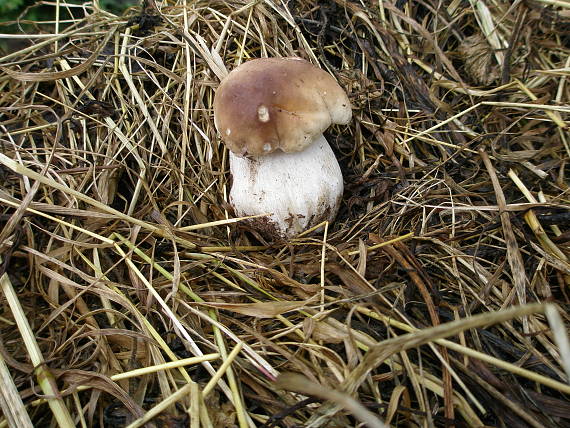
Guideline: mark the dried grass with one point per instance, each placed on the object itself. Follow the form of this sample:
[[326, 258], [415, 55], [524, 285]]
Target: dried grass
[[132, 296]]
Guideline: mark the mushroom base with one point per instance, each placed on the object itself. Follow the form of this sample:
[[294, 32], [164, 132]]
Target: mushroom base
[[298, 190]]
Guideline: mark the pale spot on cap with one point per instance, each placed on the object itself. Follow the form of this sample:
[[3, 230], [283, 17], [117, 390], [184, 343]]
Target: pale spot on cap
[[267, 147], [228, 132], [263, 113]]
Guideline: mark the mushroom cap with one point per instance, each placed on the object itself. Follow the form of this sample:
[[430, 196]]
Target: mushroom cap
[[277, 103]]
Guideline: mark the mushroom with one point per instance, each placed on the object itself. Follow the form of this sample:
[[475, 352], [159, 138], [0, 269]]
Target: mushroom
[[271, 114]]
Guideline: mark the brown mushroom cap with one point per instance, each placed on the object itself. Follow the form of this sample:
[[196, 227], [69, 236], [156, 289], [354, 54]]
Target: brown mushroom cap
[[277, 103]]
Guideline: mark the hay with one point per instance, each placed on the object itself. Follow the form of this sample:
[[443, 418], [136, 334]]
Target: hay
[[131, 295]]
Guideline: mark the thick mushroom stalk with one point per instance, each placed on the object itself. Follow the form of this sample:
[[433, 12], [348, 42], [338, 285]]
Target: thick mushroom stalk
[[299, 189]]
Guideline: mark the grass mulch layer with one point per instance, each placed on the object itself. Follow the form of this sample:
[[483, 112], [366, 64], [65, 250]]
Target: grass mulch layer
[[132, 296]]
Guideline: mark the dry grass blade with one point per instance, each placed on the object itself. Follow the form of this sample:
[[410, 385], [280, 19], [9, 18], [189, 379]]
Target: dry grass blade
[[560, 386], [297, 383], [513, 252], [169, 401], [133, 283], [384, 349], [10, 401], [44, 377], [560, 338], [260, 309]]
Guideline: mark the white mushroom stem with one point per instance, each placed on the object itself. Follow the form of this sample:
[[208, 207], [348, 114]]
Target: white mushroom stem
[[299, 190]]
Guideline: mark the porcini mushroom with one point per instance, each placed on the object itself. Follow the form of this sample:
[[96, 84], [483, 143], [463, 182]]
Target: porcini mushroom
[[271, 114]]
